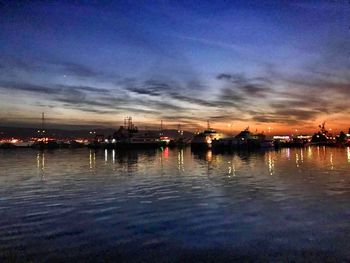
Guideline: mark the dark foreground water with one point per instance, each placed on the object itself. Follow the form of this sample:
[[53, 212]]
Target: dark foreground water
[[175, 205]]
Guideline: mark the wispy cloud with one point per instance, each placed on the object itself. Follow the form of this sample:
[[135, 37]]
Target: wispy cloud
[[213, 43]]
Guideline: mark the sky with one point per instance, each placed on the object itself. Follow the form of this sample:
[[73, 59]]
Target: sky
[[270, 65]]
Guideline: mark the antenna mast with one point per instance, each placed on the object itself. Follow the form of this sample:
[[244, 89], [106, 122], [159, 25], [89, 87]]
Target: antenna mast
[[161, 127], [42, 121], [179, 129]]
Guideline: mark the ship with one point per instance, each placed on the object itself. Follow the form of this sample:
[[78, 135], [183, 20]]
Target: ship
[[205, 139], [179, 140], [43, 141], [15, 143], [323, 137], [129, 137], [244, 140]]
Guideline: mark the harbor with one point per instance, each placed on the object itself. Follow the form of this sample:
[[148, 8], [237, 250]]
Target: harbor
[[128, 137], [174, 131]]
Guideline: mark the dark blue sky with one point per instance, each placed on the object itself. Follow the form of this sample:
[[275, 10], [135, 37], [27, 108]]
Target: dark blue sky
[[281, 64]]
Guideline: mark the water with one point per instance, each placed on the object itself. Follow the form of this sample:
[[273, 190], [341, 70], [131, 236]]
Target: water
[[175, 205]]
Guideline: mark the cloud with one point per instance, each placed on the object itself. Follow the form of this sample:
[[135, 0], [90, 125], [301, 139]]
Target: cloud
[[84, 88], [255, 90], [238, 90], [238, 99], [33, 65], [306, 99], [16, 86], [234, 78], [50, 89], [143, 91], [214, 43], [239, 83], [196, 101], [297, 114], [75, 69], [230, 98], [170, 91], [149, 87]]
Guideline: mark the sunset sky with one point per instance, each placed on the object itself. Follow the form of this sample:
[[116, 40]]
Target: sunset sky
[[279, 64]]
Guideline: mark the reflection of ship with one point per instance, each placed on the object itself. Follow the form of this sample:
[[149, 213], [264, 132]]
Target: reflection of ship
[[127, 160], [205, 139], [205, 155], [72, 144]]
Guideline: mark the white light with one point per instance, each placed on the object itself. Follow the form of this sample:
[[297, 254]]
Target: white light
[[277, 137], [304, 137]]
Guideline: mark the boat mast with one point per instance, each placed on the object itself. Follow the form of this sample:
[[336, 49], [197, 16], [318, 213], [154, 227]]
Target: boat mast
[[42, 131], [161, 128], [179, 129], [42, 120]]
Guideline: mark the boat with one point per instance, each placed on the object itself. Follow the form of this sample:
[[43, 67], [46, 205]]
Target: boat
[[205, 139], [244, 140], [266, 143], [45, 143], [15, 143], [24, 144], [129, 137], [323, 137]]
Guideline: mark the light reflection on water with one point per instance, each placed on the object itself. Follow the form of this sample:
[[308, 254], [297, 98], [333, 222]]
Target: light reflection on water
[[86, 202]]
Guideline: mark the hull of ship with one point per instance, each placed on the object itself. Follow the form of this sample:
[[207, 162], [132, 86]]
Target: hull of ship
[[48, 145], [239, 144], [24, 144]]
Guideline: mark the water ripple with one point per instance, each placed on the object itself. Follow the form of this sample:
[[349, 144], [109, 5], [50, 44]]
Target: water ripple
[[78, 203]]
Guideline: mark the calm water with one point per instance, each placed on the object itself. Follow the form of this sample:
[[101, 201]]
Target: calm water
[[175, 205]]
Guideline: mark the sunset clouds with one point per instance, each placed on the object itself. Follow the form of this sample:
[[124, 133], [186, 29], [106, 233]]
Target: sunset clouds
[[277, 64]]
